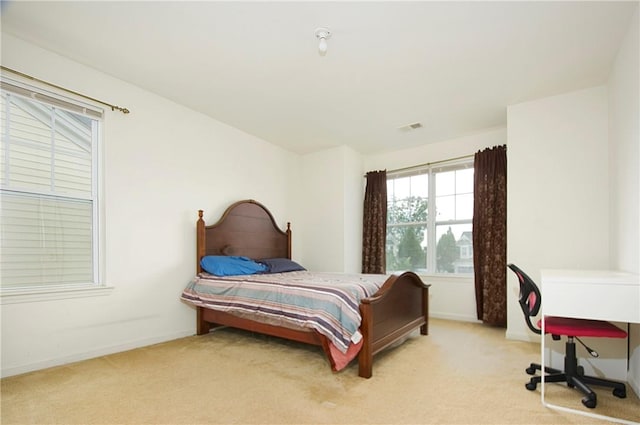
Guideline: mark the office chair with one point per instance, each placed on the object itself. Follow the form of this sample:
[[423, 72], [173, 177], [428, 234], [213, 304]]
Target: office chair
[[530, 302]]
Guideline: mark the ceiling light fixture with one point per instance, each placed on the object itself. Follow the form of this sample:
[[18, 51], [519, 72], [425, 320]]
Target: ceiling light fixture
[[322, 34]]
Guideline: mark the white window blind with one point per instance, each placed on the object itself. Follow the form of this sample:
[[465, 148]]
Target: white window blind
[[48, 190]]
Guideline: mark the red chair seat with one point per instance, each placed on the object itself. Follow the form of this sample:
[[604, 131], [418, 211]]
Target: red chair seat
[[581, 327]]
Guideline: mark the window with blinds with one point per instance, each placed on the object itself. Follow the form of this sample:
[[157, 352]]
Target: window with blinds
[[48, 191]]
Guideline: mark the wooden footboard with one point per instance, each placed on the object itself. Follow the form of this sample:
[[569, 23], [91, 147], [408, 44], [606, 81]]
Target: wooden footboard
[[397, 309]]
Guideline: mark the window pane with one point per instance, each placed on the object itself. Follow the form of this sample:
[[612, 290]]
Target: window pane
[[420, 185], [45, 240], [464, 207], [464, 181], [49, 150], [445, 208], [401, 188], [454, 249], [407, 202], [406, 248], [409, 186], [446, 183], [454, 195]]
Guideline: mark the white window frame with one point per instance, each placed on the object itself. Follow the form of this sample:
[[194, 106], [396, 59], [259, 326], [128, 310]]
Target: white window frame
[[96, 287], [432, 223]]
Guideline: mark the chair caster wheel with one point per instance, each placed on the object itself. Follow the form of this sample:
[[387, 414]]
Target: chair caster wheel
[[531, 386], [530, 371], [590, 401], [620, 392]]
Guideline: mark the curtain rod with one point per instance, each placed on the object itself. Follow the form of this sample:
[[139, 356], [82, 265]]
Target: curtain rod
[[113, 107], [426, 164]]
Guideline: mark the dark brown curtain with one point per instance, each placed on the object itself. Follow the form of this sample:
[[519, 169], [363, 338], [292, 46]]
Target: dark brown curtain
[[374, 224], [490, 234]]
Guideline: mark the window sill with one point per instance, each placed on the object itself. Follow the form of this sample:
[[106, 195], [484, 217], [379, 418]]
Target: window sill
[[22, 295], [448, 276], [458, 276], [448, 279]]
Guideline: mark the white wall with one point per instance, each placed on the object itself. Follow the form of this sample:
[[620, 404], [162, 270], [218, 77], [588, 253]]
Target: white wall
[[558, 202], [162, 163], [330, 193], [558, 189], [573, 167], [624, 160], [624, 165], [447, 149], [449, 297], [353, 211]]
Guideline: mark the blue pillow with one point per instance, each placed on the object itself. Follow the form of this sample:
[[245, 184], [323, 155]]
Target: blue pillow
[[281, 265], [222, 265]]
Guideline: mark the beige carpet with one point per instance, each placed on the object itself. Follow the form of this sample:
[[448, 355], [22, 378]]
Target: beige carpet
[[461, 373]]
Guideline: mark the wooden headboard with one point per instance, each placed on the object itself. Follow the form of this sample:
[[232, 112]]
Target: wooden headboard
[[246, 228]]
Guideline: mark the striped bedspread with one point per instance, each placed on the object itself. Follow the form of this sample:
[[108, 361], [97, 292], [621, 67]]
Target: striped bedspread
[[326, 302]]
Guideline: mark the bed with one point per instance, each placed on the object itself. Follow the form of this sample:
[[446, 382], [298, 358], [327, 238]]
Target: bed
[[385, 316]]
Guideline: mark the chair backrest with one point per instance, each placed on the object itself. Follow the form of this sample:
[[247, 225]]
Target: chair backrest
[[530, 299]]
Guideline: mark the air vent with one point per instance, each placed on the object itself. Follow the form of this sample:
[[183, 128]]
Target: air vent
[[409, 127]]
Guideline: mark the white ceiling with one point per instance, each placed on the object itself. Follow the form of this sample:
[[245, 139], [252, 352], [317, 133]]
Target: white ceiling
[[452, 66]]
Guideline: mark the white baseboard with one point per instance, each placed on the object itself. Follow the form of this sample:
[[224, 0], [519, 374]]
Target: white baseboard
[[17, 370], [635, 385], [522, 336], [457, 317]]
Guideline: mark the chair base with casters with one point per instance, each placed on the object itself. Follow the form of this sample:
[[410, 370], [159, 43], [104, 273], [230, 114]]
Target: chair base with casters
[[573, 329], [574, 376]]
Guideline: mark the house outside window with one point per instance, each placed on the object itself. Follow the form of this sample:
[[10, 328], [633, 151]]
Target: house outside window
[[48, 191], [446, 189]]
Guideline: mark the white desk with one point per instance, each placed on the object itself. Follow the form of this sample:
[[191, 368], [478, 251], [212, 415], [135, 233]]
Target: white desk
[[596, 294]]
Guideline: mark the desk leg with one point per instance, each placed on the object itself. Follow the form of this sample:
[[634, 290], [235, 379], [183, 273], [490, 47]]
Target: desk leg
[[542, 356]]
